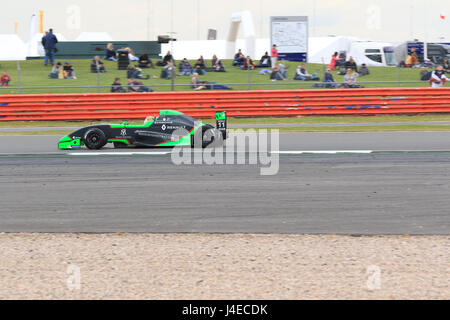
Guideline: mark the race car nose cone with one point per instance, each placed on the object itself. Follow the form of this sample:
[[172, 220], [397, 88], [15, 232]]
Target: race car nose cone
[[67, 142]]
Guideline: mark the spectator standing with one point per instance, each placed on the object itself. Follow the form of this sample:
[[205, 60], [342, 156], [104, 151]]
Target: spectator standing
[[438, 78], [110, 53], [274, 55], [49, 42], [5, 79]]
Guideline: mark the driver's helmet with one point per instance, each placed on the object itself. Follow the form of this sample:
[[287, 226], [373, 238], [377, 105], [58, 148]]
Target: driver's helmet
[[148, 119]]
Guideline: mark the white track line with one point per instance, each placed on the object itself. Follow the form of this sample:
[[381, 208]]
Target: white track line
[[324, 151], [154, 153], [168, 152]]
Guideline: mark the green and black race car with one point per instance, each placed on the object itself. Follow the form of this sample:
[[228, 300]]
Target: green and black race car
[[170, 128]]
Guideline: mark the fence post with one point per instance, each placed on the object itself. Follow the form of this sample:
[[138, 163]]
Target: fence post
[[398, 76], [98, 80], [19, 77], [248, 73]]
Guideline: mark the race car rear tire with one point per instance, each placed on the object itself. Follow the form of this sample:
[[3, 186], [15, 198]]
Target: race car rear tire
[[95, 139], [210, 137]]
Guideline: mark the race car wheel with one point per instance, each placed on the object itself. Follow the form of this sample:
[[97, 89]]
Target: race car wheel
[[210, 136], [95, 139]]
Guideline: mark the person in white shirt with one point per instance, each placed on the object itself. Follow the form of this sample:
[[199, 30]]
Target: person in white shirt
[[438, 77]]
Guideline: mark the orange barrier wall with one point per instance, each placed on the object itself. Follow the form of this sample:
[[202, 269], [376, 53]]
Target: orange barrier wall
[[105, 106]]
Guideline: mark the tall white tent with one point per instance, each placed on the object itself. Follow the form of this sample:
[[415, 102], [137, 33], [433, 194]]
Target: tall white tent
[[244, 19], [13, 48]]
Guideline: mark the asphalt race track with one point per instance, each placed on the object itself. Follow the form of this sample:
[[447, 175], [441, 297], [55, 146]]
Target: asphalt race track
[[402, 188]]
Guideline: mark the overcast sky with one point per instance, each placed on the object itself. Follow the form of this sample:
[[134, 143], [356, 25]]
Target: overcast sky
[[390, 20]]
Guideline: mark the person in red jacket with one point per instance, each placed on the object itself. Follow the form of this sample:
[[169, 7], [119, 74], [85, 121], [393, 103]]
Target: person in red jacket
[[274, 55], [5, 79], [334, 59]]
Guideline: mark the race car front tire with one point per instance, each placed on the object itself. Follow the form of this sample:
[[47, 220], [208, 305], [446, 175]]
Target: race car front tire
[[95, 139]]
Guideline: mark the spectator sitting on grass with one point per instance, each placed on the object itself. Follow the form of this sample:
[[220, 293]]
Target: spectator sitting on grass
[[134, 72], [438, 78], [168, 58], [302, 74], [351, 64], [249, 64], [200, 66], [97, 65], [145, 62], [264, 62], [196, 84], [276, 74], [168, 71], [137, 86], [425, 74], [57, 71], [5, 79], [131, 54], [185, 68], [363, 71], [334, 61], [329, 80], [283, 70], [117, 86], [238, 59], [446, 65], [217, 64], [110, 53], [69, 72], [350, 79]]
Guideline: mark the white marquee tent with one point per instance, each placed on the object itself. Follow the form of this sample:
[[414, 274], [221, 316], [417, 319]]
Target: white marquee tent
[[13, 48]]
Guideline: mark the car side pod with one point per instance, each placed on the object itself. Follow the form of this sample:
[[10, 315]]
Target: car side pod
[[67, 142]]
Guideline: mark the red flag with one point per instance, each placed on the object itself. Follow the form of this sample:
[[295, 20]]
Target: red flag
[[442, 15]]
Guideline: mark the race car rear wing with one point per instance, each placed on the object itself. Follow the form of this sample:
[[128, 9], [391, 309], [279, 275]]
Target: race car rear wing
[[221, 123]]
